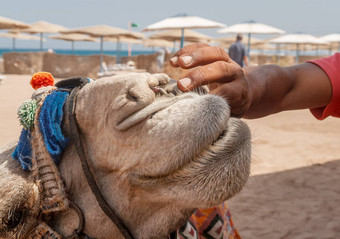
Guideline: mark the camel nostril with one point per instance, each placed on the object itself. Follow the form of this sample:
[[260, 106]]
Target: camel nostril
[[159, 91], [131, 97]]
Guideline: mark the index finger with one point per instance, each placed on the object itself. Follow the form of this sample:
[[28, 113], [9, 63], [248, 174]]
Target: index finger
[[187, 50], [200, 57], [216, 72]]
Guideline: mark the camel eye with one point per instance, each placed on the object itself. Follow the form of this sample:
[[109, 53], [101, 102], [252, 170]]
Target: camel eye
[[13, 220]]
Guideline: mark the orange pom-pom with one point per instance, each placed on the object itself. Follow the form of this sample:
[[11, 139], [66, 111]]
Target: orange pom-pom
[[41, 79]]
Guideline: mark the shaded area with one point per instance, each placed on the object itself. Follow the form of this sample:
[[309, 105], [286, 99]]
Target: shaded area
[[298, 203]]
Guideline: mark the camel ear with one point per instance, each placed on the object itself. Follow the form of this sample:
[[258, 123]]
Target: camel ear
[[73, 82]]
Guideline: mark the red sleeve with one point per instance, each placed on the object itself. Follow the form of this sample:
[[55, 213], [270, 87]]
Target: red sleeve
[[331, 66]]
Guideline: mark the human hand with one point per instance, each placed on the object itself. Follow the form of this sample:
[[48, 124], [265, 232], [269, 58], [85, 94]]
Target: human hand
[[223, 76]]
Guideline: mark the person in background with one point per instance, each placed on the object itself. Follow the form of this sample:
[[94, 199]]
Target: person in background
[[161, 53], [237, 52]]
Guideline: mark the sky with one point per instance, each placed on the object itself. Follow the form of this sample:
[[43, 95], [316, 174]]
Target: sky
[[316, 17]]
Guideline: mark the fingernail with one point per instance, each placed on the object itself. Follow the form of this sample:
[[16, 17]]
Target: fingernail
[[186, 59], [174, 59], [185, 82]]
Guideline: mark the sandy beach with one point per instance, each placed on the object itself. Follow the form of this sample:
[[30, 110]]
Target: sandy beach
[[294, 189]]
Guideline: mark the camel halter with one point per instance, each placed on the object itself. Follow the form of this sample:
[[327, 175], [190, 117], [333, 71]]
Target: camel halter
[[58, 202], [75, 84]]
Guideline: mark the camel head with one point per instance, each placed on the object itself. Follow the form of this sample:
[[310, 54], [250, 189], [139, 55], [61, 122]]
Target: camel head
[[156, 154]]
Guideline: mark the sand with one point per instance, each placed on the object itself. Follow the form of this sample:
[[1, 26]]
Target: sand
[[294, 190]]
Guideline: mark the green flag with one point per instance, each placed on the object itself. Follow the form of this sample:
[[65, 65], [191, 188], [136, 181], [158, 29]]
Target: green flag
[[133, 24]]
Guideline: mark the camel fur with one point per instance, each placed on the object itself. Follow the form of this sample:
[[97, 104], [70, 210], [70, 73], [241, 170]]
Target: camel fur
[[156, 154]]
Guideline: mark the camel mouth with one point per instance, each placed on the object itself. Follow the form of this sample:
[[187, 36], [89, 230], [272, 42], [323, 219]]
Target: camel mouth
[[220, 136], [150, 110], [228, 139]]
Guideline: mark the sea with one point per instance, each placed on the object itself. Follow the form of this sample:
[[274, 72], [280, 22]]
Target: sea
[[80, 51]]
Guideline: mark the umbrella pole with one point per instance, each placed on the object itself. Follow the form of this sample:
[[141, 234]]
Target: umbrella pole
[[249, 35], [41, 41], [129, 45], [101, 55], [182, 38], [117, 51], [297, 54], [13, 44], [277, 53]]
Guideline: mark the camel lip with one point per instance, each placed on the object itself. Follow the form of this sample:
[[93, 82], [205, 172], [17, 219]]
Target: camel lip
[[150, 110], [217, 149], [235, 126], [220, 136]]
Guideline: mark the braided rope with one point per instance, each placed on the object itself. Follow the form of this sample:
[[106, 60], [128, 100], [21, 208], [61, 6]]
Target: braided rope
[[45, 232], [45, 171]]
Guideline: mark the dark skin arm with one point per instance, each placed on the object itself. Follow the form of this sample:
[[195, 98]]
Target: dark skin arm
[[255, 91]]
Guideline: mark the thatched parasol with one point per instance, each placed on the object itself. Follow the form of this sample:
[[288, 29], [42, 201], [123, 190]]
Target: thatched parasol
[[7, 23], [157, 43], [73, 37], [102, 31], [20, 36], [41, 28]]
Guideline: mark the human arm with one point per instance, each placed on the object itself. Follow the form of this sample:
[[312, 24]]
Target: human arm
[[253, 92]]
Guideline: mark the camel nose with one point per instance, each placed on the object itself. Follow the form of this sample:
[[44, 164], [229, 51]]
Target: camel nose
[[171, 88]]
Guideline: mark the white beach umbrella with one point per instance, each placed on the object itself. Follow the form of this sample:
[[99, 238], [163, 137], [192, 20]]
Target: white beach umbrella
[[176, 35], [20, 36], [298, 39], [225, 42], [42, 27], [250, 28], [332, 38], [102, 31], [183, 22], [7, 23], [157, 43]]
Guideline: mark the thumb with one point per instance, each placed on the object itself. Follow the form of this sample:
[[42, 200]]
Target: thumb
[[237, 96]]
